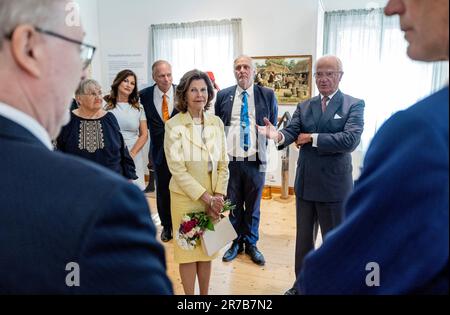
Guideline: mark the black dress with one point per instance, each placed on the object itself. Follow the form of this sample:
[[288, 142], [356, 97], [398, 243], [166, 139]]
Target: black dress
[[98, 140]]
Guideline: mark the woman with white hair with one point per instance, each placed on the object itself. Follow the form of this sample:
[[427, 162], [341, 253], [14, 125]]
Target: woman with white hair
[[94, 133]]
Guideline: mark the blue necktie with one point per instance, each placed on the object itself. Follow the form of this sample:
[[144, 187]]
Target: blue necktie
[[245, 123]]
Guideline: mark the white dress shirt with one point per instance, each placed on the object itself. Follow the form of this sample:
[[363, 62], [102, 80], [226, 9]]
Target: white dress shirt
[[158, 99], [27, 122], [234, 133]]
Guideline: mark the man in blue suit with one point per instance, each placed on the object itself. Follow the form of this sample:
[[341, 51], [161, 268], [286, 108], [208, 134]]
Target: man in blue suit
[[241, 108], [395, 238], [328, 128], [67, 226], [158, 101]]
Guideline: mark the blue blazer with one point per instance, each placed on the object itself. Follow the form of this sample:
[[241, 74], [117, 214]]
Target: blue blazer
[[397, 215], [324, 174], [57, 209], [155, 125], [265, 106]]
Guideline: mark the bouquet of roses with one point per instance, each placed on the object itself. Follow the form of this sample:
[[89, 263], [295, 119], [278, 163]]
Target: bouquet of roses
[[194, 224]]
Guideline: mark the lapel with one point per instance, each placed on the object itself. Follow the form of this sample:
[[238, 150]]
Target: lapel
[[175, 111], [228, 104], [260, 108], [332, 108], [187, 121], [210, 133], [316, 108], [155, 114]]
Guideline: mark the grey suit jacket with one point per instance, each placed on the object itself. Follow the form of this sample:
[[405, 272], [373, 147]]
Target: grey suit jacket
[[324, 174]]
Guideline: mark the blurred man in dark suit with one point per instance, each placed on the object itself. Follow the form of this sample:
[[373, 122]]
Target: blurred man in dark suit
[[67, 226]]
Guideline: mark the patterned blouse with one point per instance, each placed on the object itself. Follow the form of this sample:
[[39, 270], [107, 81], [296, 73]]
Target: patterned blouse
[[98, 140]]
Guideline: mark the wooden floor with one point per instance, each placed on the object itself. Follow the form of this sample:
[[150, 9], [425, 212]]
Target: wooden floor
[[242, 276]]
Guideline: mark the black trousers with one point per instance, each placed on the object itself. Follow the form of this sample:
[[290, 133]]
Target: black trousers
[[327, 214], [245, 189], [162, 179]]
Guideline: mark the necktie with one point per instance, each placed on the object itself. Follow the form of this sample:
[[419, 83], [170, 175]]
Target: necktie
[[324, 103], [165, 108], [245, 123]]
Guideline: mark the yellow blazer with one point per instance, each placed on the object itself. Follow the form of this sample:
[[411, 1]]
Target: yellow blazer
[[187, 155]]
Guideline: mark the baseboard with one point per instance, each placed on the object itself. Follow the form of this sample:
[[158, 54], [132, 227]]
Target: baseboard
[[269, 191], [277, 190]]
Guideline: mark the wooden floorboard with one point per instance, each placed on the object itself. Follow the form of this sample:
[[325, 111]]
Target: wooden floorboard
[[242, 276]]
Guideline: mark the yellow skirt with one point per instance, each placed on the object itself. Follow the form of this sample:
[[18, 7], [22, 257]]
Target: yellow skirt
[[180, 205]]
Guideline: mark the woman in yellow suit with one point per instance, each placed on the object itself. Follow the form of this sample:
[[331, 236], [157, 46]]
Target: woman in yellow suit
[[197, 157]]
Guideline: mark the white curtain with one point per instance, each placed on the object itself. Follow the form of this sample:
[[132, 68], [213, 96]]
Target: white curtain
[[205, 45], [373, 51]]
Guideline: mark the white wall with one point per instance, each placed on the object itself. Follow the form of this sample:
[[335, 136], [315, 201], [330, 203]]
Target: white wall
[[285, 27], [90, 21]]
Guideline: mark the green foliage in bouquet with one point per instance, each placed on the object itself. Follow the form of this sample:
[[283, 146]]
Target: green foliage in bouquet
[[194, 224]]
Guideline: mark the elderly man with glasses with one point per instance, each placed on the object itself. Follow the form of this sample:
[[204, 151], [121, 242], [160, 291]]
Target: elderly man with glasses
[[67, 226], [328, 129]]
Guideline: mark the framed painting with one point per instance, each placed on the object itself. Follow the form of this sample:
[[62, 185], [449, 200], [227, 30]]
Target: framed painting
[[289, 77]]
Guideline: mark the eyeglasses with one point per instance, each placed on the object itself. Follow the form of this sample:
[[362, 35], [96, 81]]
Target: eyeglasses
[[326, 74], [86, 51]]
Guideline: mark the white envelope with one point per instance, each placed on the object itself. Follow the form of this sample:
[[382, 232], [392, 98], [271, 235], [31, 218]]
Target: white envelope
[[337, 117], [213, 241]]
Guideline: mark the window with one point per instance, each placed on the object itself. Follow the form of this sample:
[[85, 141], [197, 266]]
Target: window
[[373, 51], [206, 45]]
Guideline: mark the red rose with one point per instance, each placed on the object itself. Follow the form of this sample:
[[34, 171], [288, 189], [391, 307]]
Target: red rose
[[186, 227]]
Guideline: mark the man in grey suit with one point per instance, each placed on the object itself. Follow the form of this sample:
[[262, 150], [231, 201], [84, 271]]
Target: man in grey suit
[[328, 128]]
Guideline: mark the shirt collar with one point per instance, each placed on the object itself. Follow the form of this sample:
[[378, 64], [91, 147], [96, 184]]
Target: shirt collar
[[161, 93], [329, 97], [27, 122], [249, 90]]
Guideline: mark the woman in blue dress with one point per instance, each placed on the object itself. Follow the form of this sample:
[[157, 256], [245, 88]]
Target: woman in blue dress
[[94, 134]]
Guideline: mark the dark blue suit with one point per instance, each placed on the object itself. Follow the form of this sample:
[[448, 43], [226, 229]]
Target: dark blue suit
[[397, 215], [56, 209], [324, 174], [247, 177], [162, 173]]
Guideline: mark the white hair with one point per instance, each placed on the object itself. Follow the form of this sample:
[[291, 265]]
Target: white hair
[[244, 57], [87, 85], [338, 62], [42, 13]]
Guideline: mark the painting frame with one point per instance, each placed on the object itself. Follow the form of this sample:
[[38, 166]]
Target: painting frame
[[290, 77]]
